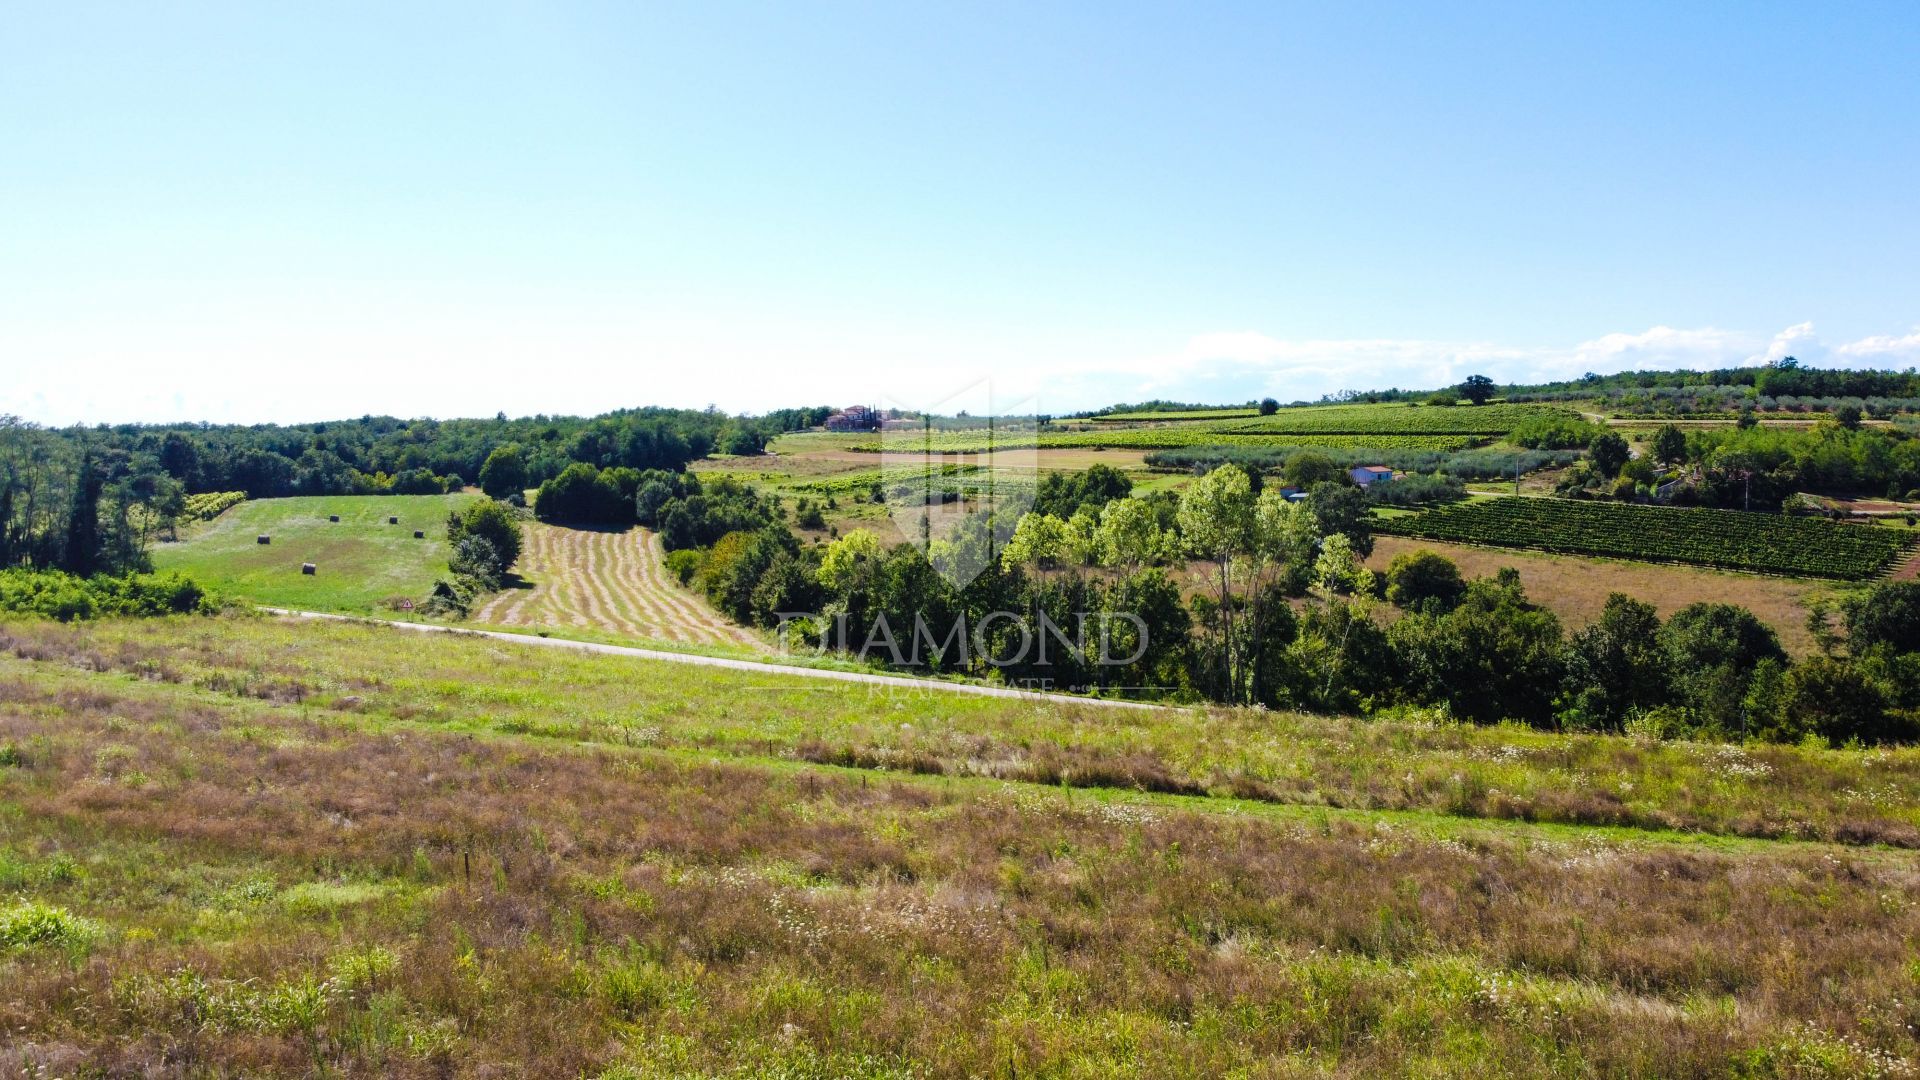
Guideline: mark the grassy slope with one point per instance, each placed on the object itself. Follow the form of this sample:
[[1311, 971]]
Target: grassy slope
[[336, 848], [361, 560]]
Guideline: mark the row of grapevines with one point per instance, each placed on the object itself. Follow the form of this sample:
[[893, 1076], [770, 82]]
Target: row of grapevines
[[1394, 420], [1730, 539], [211, 504], [1158, 438]]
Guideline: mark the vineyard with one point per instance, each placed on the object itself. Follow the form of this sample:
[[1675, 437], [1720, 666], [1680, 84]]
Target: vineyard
[[615, 581], [1392, 420], [1203, 433], [1185, 414], [209, 505], [1727, 539]]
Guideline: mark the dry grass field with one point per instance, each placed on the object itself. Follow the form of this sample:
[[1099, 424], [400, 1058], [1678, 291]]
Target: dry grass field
[[243, 846], [605, 580], [1576, 588]]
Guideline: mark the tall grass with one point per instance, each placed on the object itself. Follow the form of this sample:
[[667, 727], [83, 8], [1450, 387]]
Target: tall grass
[[311, 889]]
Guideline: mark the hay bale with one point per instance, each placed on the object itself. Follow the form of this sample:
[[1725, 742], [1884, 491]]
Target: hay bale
[[263, 538], [306, 568], [418, 535], [393, 521], [333, 517]]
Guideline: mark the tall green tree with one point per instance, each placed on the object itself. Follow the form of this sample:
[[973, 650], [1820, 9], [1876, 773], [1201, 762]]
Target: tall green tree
[[1477, 389], [82, 550], [504, 473]]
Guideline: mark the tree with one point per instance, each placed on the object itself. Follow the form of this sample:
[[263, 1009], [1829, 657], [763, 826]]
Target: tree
[[1478, 389], [1268, 406], [1610, 454], [1885, 616], [1061, 494], [1669, 445], [179, 457], [1848, 417], [1711, 652], [82, 553], [1216, 517], [1039, 541], [1835, 700], [505, 472], [1337, 571], [1494, 657], [847, 558], [492, 522], [1307, 468], [1416, 579], [1614, 666], [1130, 535], [1345, 510]]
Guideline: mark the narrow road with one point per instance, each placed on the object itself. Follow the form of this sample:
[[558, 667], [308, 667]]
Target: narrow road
[[758, 667]]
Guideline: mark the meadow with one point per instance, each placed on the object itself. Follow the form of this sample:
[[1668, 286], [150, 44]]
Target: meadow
[[361, 561], [244, 845]]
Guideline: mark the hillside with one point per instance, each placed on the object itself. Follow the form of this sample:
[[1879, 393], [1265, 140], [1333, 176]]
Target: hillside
[[360, 561], [341, 848]]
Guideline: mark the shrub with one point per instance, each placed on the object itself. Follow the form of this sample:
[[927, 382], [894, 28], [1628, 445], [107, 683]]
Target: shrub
[[493, 522], [67, 597], [685, 563], [1421, 576], [28, 924]]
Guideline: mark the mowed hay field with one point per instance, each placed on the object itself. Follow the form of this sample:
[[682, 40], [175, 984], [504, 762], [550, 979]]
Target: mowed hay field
[[360, 560], [605, 580], [260, 847]]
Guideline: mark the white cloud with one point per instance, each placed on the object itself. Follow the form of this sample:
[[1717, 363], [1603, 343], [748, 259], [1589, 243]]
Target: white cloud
[[1237, 365], [1883, 350], [309, 365]]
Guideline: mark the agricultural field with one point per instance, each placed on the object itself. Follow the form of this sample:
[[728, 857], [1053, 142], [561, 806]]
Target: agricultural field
[[1575, 587], [605, 580], [1394, 420], [1182, 414], [276, 848], [362, 562], [1158, 438], [1407, 427], [1728, 539]]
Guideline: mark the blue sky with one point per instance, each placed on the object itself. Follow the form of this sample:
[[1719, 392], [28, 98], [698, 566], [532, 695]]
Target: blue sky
[[218, 211]]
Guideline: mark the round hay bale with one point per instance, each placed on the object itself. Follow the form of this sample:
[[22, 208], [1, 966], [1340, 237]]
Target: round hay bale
[[306, 568], [333, 517], [393, 521], [419, 535], [263, 538]]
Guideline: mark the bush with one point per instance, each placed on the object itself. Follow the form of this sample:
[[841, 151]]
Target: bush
[[685, 563], [30, 925], [1421, 576], [59, 595], [493, 522]]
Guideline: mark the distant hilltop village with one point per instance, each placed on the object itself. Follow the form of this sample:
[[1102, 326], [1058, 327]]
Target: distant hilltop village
[[863, 418]]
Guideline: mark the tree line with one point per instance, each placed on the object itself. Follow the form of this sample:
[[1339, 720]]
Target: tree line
[[91, 499], [1287, 616]]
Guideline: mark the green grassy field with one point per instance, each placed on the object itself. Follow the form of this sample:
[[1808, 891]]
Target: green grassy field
[[242, 846], [361, 560]]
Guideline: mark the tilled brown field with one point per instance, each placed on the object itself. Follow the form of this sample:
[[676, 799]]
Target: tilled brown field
[[606, 580]]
